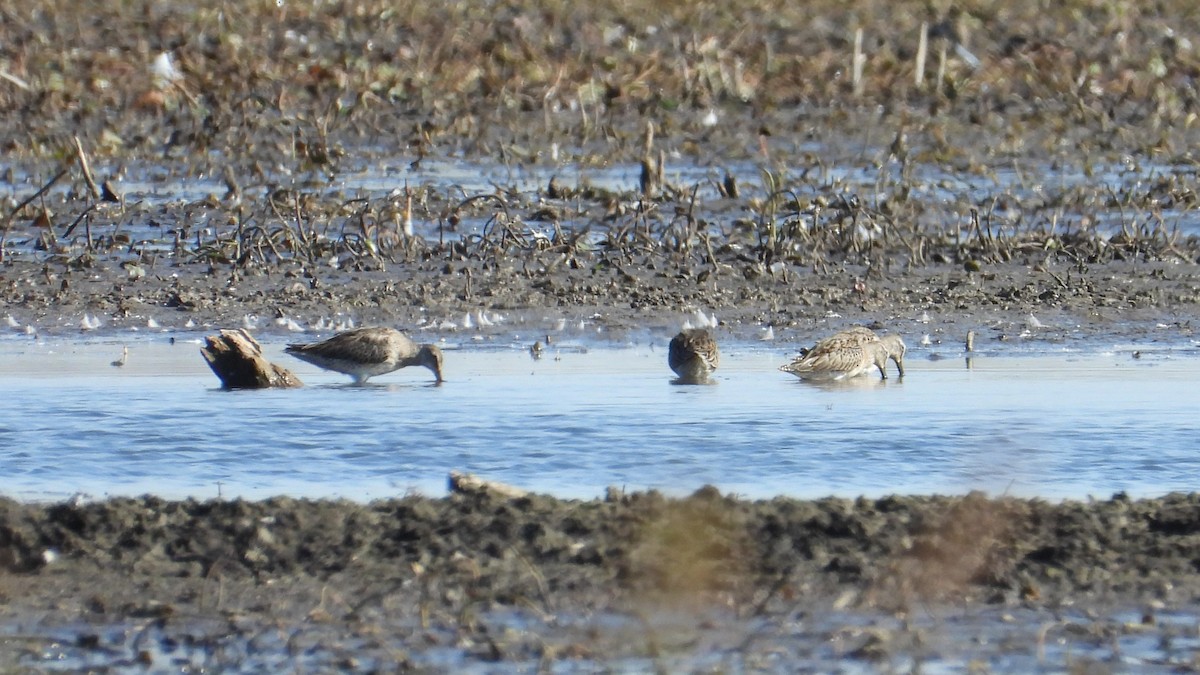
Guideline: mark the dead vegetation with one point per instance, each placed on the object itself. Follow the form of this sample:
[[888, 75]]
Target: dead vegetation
[[1008, 144]]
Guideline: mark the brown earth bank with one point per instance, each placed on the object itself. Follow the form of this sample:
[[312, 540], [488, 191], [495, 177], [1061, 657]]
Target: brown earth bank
[[397, 577], [420, 573], [1116, 301]]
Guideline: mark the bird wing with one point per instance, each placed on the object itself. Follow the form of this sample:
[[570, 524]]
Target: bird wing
[[850, 337], [822, 359], [364, 345]]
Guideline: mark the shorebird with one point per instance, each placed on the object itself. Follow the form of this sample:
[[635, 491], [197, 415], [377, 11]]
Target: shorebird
[[363, 353], [693, 355], [847, 354]]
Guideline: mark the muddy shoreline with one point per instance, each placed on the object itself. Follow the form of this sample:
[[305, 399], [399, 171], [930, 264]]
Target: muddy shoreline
[[380, 582], [1120, 302]]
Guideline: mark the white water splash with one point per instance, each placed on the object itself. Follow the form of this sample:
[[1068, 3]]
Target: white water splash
[[164, 71], [700, 320]]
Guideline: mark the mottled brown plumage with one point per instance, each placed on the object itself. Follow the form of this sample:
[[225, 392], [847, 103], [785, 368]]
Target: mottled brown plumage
[[363, 353], [847, 354], [693, 355]]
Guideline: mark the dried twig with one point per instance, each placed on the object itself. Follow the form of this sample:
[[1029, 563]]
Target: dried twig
[[25, 202], [87, 170]]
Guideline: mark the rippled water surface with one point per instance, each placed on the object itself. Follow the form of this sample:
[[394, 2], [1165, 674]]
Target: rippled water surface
[[584, 418]]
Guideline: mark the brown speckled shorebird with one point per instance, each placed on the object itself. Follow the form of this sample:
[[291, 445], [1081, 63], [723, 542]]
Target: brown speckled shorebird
[[693, 355], [847, 354], [363, 353]]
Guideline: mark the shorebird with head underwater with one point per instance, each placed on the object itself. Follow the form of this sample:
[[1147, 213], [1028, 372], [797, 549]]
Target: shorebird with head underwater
[[693, 355], [847, 354], [363, 353]]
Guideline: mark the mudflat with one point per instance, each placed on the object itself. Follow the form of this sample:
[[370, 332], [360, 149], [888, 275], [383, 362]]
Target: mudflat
[[480, 577], [194, 165]]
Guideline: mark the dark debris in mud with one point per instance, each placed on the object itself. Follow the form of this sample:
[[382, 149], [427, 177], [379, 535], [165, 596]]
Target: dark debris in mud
[[438, 567], [643, 542]]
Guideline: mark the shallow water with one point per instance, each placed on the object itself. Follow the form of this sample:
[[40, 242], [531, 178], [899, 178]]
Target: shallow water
[[585, 417], [1038, 421], [934, 640], [860, 171]]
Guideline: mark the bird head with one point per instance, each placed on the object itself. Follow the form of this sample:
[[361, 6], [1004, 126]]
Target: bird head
[[431, 357], [895, 350]]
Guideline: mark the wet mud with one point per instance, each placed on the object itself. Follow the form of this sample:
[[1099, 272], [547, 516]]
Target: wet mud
[[385, 584]]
